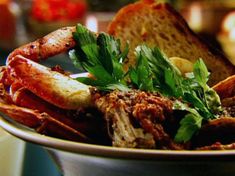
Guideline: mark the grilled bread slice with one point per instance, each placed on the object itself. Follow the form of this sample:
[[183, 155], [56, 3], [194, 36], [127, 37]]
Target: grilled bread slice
[[158, 24]]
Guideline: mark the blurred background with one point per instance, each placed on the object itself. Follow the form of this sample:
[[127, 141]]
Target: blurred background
[[22, 21]]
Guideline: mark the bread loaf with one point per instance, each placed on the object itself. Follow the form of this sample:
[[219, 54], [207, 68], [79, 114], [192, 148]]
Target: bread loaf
[[158, 24]]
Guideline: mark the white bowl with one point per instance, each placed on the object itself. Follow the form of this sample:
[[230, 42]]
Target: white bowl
[[74, 158]]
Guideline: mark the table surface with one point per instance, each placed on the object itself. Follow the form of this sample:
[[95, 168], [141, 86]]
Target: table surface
[[37, 161]]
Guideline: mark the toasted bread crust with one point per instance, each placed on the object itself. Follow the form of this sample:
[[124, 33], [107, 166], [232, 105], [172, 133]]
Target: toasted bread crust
[[158, 24]]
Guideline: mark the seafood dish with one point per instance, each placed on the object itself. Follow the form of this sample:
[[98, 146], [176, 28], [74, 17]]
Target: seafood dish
[[159, 102]]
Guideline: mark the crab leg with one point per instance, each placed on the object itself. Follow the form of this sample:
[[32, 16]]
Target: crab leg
[[54, 87], [42, 122], [226, 88], [52, 44], [24, 98], [221, 129], [22, 115]]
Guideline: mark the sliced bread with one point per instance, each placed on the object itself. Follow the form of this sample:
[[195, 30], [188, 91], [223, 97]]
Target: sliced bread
[[158, 24]]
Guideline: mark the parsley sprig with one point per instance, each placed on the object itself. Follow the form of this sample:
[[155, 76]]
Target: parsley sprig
[[101, 55], [141, 74]]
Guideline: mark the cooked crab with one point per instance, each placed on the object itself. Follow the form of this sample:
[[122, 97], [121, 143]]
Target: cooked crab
[[55, 104]]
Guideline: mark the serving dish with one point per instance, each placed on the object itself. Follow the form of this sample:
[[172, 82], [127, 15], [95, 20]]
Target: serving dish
[[74, 158], [64, 93]]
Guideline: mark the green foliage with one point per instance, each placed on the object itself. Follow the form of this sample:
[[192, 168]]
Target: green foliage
[[102, 57]]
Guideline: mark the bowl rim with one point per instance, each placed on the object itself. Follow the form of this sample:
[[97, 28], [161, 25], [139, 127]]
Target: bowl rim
[[53, 143]]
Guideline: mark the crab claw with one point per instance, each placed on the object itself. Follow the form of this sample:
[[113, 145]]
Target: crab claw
[[53, 87], [54, 43]]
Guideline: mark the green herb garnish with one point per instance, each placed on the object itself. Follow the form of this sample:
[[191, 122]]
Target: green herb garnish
[[101, 56], [141, 75], [193, 90], [190, 124]]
